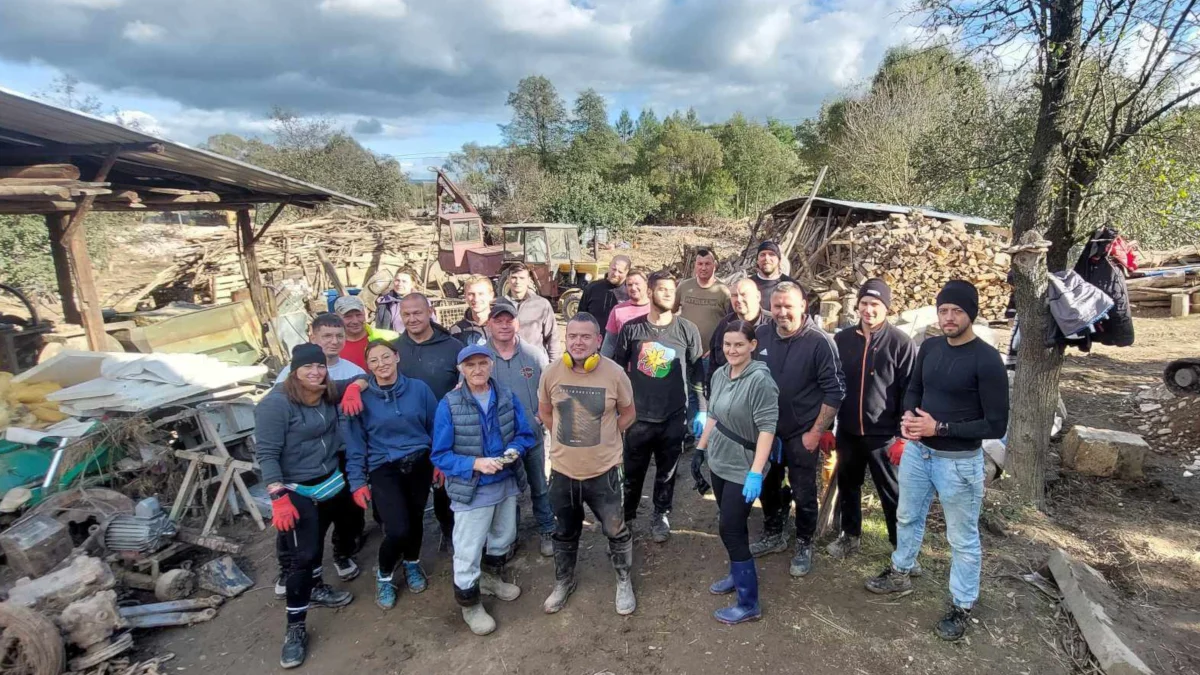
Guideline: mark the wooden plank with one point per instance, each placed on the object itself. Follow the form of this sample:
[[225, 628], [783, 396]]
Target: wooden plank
[[331, 272], [69, 171], [76, 150], [191, 198], [220, 450], [185, 488], [129, 304], [27, 191], [219, 502], [81, 262]]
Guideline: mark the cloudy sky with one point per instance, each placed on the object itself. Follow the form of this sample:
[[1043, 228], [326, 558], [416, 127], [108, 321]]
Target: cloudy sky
[[418, 78]]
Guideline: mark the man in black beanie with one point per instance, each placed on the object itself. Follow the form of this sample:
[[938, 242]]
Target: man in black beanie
[[957, 397], [877, 360], [768, 274]]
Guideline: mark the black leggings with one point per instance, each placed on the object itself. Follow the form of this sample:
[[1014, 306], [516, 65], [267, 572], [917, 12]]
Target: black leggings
[[399, 491], [734, 514], [303, 547]]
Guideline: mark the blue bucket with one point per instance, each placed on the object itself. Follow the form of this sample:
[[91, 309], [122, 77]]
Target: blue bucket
[[331, 296]]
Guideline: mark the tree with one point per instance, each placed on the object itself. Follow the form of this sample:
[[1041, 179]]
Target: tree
[[1106, 74], [686, 174], [785, 133], [591, 113], [539, 119], [648, 127], [595, 147], [587, 199], [64, 91], [764, 170], [624, 127]]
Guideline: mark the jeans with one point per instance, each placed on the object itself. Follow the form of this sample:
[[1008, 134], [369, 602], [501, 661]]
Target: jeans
[[856, 454], [399, 493], [302, 548], [535, 473], [662, 442], [734, 514], [492, 526], [602, 494], [958, 485]]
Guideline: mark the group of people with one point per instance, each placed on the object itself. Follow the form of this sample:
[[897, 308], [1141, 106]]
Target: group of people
[[648, 367]]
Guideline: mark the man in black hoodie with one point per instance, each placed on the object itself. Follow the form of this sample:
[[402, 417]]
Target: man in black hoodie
[[430, 354], [877, 359], [804, 362]]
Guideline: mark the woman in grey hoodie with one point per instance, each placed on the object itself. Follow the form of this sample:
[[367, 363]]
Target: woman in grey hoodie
[[739, 437], [296, 442]]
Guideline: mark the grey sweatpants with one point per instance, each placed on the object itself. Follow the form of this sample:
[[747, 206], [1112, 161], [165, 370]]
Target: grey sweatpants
[[493, 526]]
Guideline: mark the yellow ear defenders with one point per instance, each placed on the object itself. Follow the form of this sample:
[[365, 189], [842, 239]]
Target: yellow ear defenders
[[589, 364]]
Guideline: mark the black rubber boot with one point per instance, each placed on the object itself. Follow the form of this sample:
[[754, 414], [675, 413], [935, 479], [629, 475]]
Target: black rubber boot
[[565, 556]]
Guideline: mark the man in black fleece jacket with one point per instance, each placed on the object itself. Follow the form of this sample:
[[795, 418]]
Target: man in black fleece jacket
[[957, 397], [804, 362], [877, 359]]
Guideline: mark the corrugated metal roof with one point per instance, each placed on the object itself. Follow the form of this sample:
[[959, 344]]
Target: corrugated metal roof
[[44, 121], [889, 208]]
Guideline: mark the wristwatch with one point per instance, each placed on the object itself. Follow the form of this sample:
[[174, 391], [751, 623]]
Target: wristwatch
[[943, 428]]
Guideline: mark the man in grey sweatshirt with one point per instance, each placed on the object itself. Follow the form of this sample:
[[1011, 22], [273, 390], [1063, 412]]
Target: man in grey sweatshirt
[[539, 325], [518, 366]]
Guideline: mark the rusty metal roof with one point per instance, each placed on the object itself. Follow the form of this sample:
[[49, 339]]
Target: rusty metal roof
[[28, 123]]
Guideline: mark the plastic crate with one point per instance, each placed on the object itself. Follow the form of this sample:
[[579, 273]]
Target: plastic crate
[[449, 311]]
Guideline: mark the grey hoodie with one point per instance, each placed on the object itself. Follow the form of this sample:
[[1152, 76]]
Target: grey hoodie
[[746, 405], [295, 443], [434, 361], [521, 374], [539, 325]]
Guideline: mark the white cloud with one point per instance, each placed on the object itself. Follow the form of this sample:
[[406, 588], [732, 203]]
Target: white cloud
[[88, 4], [380, 9], [142, 32]]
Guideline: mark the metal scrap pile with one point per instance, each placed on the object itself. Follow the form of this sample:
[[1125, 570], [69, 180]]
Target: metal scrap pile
[[209, 270]]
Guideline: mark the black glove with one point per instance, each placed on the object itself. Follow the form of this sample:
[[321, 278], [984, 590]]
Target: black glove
[[701, 485]]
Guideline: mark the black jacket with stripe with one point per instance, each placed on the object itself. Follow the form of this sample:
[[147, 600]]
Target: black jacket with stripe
[[808, 372], [877, 370]]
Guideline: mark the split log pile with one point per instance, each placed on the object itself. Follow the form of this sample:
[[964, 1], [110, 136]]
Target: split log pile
[[358, 248], [916, 255], [1167, 280]]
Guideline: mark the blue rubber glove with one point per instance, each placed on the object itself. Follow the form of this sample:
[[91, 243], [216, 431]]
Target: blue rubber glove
[[753, 487], [698, 423]]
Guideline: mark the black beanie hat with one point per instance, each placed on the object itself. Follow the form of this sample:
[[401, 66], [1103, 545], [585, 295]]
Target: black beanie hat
[[306, 354], [878, 289], [769, 246], [961, 293]]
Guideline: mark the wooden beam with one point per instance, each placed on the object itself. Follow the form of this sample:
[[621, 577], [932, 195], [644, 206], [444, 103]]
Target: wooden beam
[[789, 238], [75, 241], [75, 150], [263, 230], [56, 223], [331, 271], [258, 294]]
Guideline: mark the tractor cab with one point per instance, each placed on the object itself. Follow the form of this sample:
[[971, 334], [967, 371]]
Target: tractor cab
[[554, 257]]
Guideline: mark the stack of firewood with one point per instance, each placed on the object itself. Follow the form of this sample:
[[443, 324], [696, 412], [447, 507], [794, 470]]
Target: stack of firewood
[[358, 248], [916, 256], [1167, 280]]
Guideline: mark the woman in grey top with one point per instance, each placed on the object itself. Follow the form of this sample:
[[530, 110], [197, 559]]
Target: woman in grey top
[[739, 437]]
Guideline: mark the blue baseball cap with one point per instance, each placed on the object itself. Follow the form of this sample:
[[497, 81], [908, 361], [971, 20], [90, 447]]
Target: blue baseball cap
[[473, 350]]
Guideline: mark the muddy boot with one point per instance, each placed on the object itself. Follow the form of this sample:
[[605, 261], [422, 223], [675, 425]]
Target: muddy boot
[[745, 578], [546, 544], [660, 527], [890, 580], [565, 555], [295, 646], [801, 562], [771, 542], [473, 613], [843, 546], [954, 625], [492, 583], [622, 560]]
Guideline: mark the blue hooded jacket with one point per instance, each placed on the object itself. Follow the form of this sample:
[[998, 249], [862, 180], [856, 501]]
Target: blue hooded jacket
[[394, 424], [463, 466]]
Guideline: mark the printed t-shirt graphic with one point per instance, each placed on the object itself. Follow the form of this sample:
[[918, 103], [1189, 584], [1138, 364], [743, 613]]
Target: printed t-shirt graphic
[[655, 359], [579, 414]]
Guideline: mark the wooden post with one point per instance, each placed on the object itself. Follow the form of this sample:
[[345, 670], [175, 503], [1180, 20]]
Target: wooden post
[[789, 238], [75, 242], [258, 295], [56, 223]]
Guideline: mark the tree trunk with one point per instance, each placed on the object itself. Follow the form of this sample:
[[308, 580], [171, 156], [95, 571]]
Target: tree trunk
[[1035, 386]]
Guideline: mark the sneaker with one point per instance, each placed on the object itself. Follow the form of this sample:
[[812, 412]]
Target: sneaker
[[491, 584], [324, 595], [843, 546], [385, 592], [295, 646], [414, 576], [281, 585], [347, 568], [954, 625], [890, 580], [916, 572], [802, 561], [770, 543], [660, 528], [546, 545], [478, 620]]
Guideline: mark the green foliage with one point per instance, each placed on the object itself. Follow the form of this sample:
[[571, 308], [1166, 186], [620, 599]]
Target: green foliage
[[589, 200], [685, 172], [595, 147], [539, 119], [648, 127], [624, 126], [25, 260], [764, 170]]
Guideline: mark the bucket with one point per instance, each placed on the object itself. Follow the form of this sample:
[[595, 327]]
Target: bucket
[[331, 296]]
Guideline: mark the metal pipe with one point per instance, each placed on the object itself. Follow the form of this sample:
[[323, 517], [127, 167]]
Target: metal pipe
[[171, 619], [172, 606], [55, 463]]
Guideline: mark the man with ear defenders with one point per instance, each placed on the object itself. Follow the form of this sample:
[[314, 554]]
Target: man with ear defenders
[[586, 401]]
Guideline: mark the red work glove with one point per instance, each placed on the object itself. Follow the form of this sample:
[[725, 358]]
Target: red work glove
[[828, 442], [439, 478], [895, 451], [361, 496], [352, 401], [283, 512]]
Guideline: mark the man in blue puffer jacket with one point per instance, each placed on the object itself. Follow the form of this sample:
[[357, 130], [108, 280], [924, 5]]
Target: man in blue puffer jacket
[[480, 432]]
